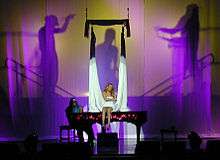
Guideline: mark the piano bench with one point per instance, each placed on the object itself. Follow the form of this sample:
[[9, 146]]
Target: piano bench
[[68, 129]]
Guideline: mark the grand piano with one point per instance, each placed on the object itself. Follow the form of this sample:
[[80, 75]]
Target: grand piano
[[138, 118]]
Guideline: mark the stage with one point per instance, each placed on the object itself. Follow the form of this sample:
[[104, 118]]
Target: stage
[[126, 149], [134, 78]]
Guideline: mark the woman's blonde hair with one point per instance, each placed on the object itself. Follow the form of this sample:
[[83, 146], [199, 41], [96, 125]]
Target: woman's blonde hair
[[112, 91]]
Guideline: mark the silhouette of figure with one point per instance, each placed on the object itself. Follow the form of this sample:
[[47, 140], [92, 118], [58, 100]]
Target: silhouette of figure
[[188, 27], [194, 141], [30, 145], [107, 58], [49, 60]]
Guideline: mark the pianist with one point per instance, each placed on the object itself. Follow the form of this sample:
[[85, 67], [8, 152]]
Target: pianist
[[81, 126]]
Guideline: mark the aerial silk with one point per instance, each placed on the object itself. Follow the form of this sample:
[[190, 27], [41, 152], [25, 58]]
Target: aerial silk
[[96, 99]]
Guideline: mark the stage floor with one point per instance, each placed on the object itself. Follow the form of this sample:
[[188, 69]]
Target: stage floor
[[126, 147]]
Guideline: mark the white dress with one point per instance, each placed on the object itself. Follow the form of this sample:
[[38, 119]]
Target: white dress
[[109, 102]]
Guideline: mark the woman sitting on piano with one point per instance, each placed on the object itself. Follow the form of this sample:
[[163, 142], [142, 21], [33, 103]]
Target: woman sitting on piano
[[109, 105]]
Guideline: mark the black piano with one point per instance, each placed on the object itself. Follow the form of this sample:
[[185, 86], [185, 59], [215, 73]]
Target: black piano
[[137, 118]]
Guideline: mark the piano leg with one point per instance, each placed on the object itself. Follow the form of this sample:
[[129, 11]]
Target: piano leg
[[138, 127]]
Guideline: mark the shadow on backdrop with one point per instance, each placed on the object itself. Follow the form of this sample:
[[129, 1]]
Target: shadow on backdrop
[[188, 27], [49, 60], [107, 60], [50, 70], [183, 40]]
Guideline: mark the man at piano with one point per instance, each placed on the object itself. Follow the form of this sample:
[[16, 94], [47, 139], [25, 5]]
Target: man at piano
[[109, 105], [80, 126]]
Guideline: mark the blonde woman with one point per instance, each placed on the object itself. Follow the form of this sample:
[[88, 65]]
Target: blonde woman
[[109, 105]]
